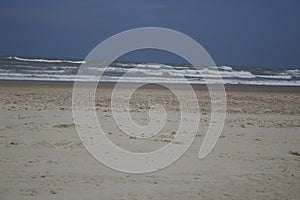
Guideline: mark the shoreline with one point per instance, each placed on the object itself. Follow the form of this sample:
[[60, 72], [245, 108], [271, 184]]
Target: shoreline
[[228, 87]]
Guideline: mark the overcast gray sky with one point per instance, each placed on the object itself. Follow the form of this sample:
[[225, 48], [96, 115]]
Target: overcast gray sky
[[234, 32]]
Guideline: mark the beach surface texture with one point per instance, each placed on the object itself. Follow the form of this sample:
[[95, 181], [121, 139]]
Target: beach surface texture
[[42, 157]]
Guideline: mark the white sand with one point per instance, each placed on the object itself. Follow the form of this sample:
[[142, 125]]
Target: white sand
[[41, 156]]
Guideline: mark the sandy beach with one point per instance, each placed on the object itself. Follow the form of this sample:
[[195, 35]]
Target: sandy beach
[[42, 157]]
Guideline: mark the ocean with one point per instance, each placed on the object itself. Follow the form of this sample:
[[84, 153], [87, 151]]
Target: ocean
[[42, 69]]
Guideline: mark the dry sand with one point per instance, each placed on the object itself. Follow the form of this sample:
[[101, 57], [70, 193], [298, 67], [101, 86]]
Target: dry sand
[[256, 157]]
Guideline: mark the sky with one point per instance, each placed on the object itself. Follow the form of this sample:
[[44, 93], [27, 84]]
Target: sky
[[234, 32]]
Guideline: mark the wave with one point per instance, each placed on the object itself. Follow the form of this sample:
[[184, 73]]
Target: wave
[[148, 79], [46, 60], [287, 77], [148, 65], [226, 68], [19, 68]]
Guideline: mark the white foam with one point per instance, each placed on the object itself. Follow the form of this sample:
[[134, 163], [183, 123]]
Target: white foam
[[293, 71], [226, 68], [148, 65], [46, 60], [148, 73], [274, 76]]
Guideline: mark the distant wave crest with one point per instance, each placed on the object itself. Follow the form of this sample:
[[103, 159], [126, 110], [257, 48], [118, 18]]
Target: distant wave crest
[[46, 60]]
